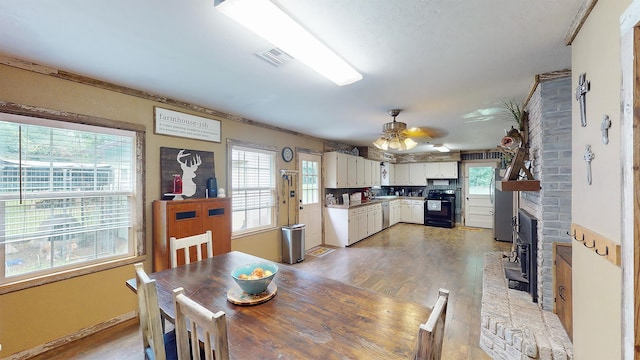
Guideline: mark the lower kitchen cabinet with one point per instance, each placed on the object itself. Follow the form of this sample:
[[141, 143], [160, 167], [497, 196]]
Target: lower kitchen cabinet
[[343, 227], [412, 211], [394, 212]]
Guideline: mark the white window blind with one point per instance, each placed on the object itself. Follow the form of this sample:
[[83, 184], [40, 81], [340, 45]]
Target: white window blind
[[253, 188], [66, 194]]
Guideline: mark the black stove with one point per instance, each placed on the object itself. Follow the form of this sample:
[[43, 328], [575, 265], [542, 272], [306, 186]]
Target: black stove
[[439, 208]]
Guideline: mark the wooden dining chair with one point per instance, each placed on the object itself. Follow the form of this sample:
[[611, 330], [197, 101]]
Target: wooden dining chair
[[431, 333], [186, 243], [193, 318], [156, 344]]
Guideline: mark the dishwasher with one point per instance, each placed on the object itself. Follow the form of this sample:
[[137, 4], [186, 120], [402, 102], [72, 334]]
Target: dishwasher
[[385, 214]]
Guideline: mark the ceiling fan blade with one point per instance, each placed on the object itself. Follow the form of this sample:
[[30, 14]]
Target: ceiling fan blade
[[424, 133]]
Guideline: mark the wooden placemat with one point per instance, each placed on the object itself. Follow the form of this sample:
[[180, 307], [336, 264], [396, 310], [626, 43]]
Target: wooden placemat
[[235, 295]]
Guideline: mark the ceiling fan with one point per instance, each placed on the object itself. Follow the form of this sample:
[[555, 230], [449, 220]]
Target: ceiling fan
[[396, 135]]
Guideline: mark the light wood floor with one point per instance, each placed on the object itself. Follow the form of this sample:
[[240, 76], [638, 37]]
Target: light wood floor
[[406, 261]]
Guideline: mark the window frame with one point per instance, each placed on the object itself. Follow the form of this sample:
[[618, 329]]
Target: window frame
[[139, 198], [273, 150]]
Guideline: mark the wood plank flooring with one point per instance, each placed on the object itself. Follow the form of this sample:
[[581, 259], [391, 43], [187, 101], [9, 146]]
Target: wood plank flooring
[[406, 261]]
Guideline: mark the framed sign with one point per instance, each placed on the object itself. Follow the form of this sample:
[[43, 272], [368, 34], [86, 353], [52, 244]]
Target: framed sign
[[169, 122]]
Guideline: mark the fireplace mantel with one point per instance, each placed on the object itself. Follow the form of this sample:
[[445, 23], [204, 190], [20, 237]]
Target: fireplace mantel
[[518, 185]]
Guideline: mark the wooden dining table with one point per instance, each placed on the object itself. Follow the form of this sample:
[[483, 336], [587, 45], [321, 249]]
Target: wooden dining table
[[310, 317]]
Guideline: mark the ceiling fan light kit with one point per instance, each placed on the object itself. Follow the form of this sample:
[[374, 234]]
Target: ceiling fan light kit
[[394, 136], [275, 26]]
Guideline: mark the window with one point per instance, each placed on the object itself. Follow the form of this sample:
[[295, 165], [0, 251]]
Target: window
[[310, 183], [481, 180], [253, 188], [67, 196]]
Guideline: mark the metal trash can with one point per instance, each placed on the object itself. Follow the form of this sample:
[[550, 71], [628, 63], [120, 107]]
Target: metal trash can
[[293, 243]]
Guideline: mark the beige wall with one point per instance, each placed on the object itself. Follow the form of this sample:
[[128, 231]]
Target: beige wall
[[597, 284], [33, 317]]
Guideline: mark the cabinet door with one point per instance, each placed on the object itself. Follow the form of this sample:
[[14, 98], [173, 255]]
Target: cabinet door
[[449, 170], [359, 171], [402, 174], [371, 221], [367, 172], [431, 170], [417, 175], [354, 228], [417, 212], [352, 172], [363, 227], [405, 211], [217, 218], [375, 173], [377, 215]]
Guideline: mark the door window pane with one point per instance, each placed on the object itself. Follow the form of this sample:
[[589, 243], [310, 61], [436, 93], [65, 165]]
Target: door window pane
[[480, 180]]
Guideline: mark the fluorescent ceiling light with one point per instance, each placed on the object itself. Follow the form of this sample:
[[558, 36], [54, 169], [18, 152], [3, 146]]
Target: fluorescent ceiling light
[[441, 148], [273, 25]]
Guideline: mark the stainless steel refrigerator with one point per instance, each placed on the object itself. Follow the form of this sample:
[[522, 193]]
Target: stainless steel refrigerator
[[502, 211]]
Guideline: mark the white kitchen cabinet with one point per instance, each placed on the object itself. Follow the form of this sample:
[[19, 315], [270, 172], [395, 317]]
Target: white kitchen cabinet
[[352, 173], [360, 178], [367, 172], [402, 174], [375, 173], [374, 219], [417, 174], [442, 170], [343, 227], [412, 211], [394, 212], [336, 170], [417, 211]]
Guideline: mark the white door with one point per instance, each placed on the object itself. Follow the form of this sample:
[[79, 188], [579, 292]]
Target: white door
[[310, 206], [478, 205]]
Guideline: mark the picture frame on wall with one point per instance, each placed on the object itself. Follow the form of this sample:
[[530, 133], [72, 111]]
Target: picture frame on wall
[[194, 167]]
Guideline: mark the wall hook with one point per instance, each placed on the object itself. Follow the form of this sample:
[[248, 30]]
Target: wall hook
[[572, 235], [593, 244], [606, 251]]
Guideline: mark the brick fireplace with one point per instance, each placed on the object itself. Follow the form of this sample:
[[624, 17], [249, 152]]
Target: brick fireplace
[[550, 125]]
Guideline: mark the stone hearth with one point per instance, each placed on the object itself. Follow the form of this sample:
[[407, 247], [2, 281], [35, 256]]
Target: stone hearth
[[514, 327]]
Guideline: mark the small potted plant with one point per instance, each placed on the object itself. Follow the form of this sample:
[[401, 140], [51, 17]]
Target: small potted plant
[[516, 111]]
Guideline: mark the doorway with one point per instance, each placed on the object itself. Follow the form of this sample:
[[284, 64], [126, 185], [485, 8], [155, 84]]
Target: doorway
[[479, 191], [310, 206]]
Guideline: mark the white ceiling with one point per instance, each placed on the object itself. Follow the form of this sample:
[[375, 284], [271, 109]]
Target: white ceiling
[[447, 63]]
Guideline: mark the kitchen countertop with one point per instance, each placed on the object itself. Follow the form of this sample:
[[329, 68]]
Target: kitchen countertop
[[374, 201]]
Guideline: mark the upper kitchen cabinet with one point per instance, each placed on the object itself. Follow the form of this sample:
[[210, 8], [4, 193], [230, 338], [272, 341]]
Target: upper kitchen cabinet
[[348, 171], [417, 174], [336, 170], [412, 174], [442, 170], [402, 174]]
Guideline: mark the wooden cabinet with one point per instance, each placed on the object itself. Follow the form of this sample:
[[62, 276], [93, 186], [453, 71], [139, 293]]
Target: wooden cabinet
[[442, 170], [181, 218], [368, 180], [563, 278], [336, 170]]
